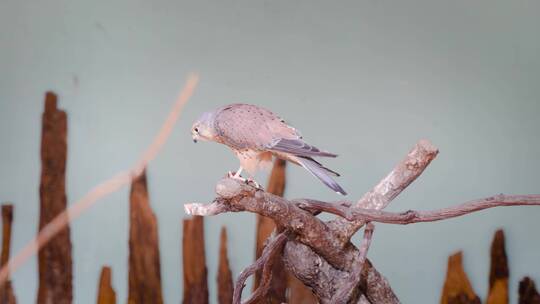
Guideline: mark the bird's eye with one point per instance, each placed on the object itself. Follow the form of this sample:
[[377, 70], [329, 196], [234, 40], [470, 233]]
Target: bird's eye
[[196, 130]]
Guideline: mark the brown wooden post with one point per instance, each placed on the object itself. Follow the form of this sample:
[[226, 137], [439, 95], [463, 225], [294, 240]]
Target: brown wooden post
[[106, 294], [498, 273], [55, 262], [457, 288], [527, 292], [6, 290], [144, 264], [194, 262], [224, 277]]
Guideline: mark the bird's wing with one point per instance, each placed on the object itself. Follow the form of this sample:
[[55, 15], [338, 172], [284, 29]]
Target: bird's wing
[[297, 147], [243, 126]]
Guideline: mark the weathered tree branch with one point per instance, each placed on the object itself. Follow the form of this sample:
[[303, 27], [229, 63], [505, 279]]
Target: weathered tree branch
[[323, 279], [306, 229], [319, 253], [407, 171]]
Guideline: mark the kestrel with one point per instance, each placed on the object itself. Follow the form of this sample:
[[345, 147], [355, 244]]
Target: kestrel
[[256, 135]]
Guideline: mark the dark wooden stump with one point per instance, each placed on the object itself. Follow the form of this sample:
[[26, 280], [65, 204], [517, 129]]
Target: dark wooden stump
[[194, 261], [55, 262], [224, 277], [144, 264], [457, 287], [498, 273], [6, 290], [527, 292]]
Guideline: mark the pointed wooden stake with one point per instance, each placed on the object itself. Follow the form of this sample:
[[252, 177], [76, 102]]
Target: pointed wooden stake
[[498, 274], [106, 294], [527, 292], [6, 290], [55, 262], [144, 264], [457, 288], [224, 277], [194, 261]]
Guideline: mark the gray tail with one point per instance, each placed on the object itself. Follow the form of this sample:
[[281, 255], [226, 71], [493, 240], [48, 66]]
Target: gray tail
[[321, 173]]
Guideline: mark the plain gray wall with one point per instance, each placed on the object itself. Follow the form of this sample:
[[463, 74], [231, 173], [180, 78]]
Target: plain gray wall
[[364, 79]]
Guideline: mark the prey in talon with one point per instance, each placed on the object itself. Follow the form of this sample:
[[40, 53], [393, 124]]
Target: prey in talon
[[256, 136]]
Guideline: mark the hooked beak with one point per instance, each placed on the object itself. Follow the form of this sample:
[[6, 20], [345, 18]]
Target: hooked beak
[[194, 140]]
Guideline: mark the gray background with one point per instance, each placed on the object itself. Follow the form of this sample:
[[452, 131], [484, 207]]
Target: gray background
[[364, 79]]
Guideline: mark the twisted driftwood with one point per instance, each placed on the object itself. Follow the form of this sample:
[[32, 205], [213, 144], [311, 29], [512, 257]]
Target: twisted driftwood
[[320, 253]]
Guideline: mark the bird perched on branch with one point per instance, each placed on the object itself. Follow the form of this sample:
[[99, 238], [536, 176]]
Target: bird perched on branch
[[256, 135]]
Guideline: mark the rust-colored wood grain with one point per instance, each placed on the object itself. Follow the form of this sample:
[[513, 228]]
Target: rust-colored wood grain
[[457, 287], [224, 277], [527, 292], [265, 226], [498, 273], [144, 263], [194, 262], [6, 290], [54, 259], [106, 293]]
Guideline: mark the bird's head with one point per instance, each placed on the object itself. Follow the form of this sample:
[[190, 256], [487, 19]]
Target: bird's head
[[203, 128]]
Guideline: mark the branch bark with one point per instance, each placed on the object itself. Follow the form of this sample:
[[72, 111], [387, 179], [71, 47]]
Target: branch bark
[[406, 172], [307, 229]]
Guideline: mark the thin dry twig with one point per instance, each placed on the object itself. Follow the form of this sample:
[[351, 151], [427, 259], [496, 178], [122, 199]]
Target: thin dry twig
[[103, 189], [412, 216], [269, 252]]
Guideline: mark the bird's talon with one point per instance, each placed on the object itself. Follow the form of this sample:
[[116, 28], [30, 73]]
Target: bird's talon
[[250, 180]]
